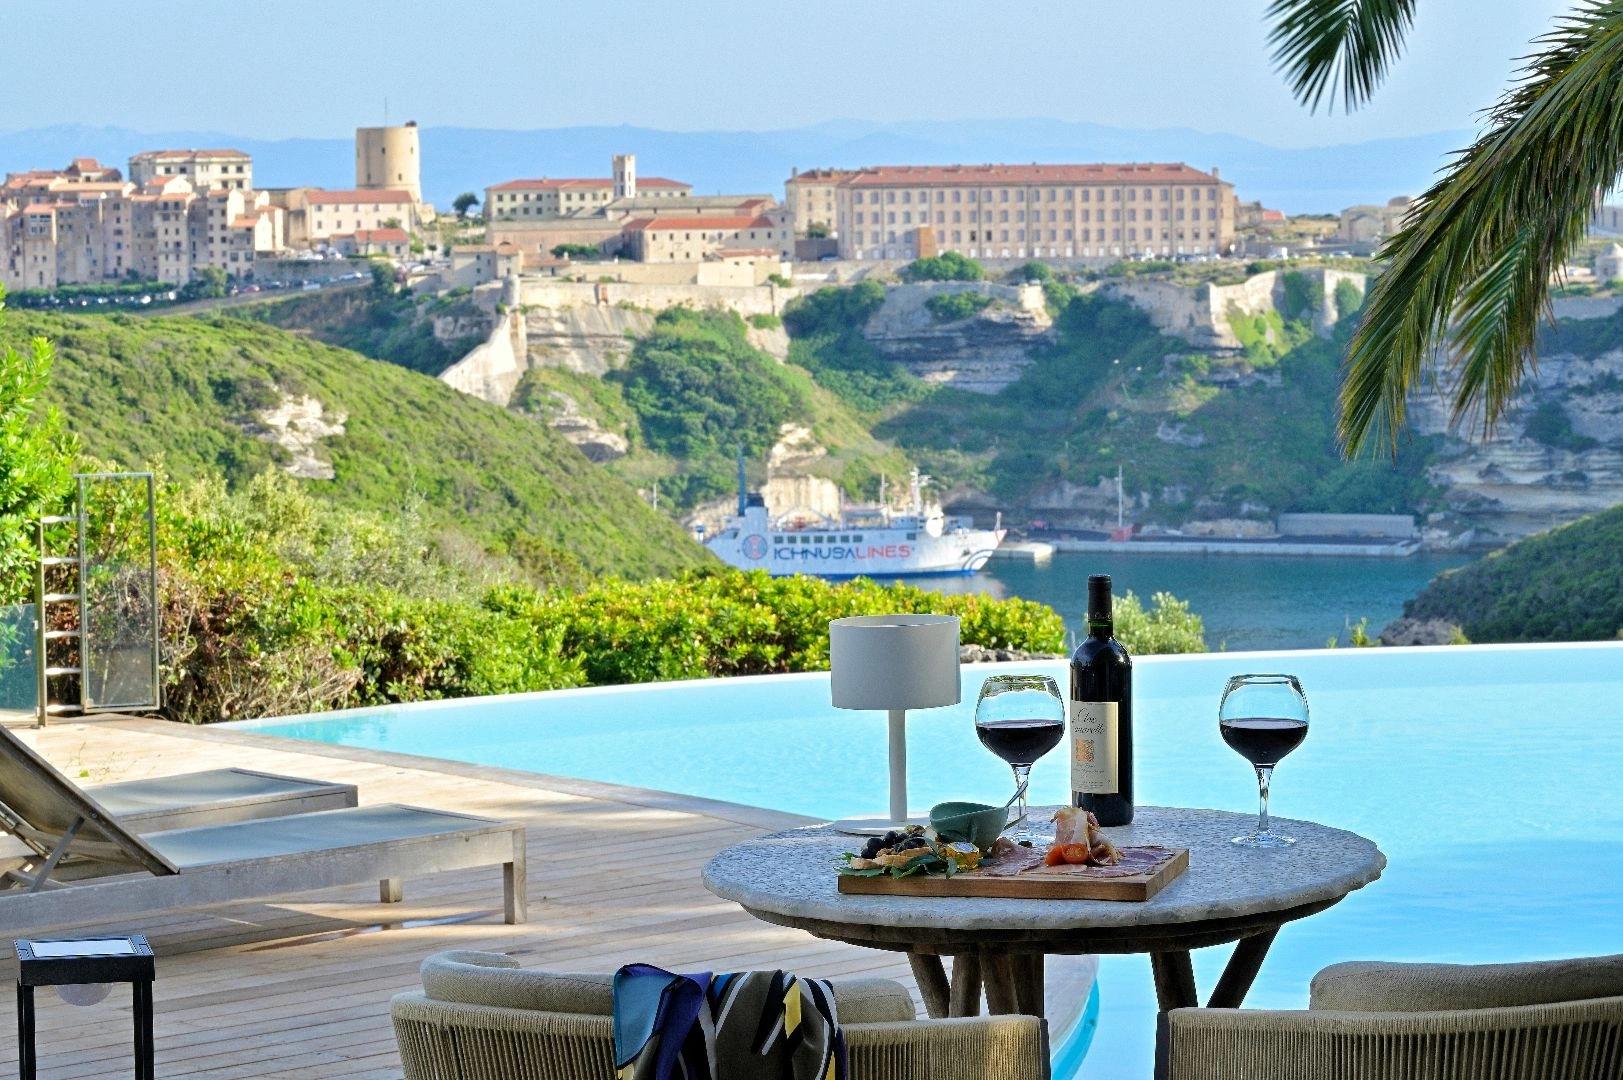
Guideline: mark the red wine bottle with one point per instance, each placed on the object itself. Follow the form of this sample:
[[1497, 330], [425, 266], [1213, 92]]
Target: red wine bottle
[[1101, 711]]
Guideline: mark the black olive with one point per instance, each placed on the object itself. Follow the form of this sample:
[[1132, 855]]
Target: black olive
[[913, 843], [872, 847]]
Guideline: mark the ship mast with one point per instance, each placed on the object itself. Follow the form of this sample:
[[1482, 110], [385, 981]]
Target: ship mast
[[1118, 498]]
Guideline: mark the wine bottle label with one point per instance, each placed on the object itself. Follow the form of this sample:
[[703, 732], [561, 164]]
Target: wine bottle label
[[1093, 747]]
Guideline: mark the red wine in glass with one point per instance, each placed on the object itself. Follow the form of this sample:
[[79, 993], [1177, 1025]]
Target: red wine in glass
[[1263, 718], [1020, 718], [1021, 741], [1262, 740]]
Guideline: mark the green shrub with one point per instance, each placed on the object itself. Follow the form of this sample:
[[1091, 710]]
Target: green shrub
[[1167, 626], [764, 320], [826, 339], [948, 266], [35, 459], [951, 307]]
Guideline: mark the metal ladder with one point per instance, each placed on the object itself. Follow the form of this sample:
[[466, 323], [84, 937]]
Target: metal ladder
[[44, 670]]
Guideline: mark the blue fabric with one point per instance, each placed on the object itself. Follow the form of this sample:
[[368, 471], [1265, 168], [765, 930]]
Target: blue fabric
[[758, 1025], [651, 1002]]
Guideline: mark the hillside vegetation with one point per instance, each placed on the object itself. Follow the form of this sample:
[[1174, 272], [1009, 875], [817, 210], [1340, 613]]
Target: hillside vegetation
[[191, 393], [1563, 585]]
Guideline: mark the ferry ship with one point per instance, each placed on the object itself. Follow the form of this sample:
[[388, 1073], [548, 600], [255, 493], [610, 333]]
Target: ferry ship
[[865, 541]]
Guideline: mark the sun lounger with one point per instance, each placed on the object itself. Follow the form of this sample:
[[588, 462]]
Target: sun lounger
[[214, 797], [84, 863]]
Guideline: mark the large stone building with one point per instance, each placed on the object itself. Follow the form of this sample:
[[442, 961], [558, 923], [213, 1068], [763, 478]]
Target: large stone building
[[612, 215], [810, 199], [695, 239], [1370, 224], [555, 197], [1033, 211], [205, 169], [316, 215]]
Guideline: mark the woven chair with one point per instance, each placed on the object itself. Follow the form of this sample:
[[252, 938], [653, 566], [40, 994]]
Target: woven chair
[[1553, 1020], [480, 1016]]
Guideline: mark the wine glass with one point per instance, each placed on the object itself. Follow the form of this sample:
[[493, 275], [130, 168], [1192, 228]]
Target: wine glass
[[1020, 718], [1263, 718]]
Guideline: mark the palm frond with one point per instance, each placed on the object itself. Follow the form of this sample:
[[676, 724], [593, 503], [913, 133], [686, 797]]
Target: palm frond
[[1346, 44], [1469, 271]]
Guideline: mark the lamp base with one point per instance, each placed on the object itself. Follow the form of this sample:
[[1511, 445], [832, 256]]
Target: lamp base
[[874, 826]]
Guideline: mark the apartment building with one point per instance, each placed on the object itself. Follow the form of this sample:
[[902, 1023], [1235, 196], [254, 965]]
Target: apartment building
[[83, 225], [204, 168], [810, 199], [695, 239], [1033, 211]]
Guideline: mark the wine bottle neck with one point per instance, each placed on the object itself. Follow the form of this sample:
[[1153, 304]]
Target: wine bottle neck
[[1100, 628]]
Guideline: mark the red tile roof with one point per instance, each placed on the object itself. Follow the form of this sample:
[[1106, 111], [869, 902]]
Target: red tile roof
[[381, 236], [319, 197], [972, 175], [724, 224], [546, 183], [820, 176]]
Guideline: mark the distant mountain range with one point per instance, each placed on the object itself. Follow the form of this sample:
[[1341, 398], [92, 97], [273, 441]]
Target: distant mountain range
[[456, 159]]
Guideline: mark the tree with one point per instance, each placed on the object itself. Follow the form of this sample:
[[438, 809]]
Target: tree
[[817, 230], [207, 283], [1469, 272], [575, 251], [463, 203], [382, 278], [948, 266], [36, 455]]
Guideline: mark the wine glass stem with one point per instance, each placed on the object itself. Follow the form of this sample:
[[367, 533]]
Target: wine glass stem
[[1022, 774], [1265, 779]]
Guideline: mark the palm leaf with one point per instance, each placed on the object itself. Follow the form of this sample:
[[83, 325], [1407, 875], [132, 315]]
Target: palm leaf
[[1468, 274], [1320, 44]]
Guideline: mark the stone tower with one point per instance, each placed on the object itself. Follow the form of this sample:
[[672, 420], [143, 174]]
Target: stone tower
[[389, 157], [625, 176]]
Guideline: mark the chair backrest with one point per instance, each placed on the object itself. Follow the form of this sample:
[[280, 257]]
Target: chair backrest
[[491, 979], [45, 804]]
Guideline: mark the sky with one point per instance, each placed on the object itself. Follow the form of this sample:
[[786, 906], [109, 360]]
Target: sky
[[320, 67]]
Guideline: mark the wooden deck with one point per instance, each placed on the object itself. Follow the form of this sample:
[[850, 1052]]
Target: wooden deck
[[301, 987]]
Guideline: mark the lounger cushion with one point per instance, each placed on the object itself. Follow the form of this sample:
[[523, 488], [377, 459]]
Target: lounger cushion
[[303, 834], [200, 790], [1367, 986], [491, 979]]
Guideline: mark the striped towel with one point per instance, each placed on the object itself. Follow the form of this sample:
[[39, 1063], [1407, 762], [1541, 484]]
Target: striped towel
[[749, 1025]]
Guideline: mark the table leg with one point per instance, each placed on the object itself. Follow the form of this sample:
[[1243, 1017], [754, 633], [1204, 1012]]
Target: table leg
[[1241, 970], [965, 998], [1028, 984], [1174, 980], [997, 971], [931, 977], [25, 1032], [145, 1051]]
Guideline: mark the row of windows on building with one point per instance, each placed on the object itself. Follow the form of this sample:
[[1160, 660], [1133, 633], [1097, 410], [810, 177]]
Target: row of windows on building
[[975, 216], [1002, 195], [853, 538], [1067, 251], [1054, 235]]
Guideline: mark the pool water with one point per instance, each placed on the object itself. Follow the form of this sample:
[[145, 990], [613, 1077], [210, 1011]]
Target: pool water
[[1487, 774]]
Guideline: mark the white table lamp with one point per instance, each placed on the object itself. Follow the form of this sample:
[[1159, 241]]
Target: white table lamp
[[894, 663]]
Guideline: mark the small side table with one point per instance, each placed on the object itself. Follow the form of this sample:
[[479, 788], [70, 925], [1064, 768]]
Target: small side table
[[77, 962]]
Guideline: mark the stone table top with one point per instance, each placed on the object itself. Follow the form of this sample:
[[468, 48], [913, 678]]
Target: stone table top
[[790, 876]]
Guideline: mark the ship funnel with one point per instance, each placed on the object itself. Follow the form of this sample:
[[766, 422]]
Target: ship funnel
[[741, 483]]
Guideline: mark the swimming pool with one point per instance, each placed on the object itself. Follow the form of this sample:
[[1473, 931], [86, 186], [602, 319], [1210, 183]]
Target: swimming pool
[[1488, 775]]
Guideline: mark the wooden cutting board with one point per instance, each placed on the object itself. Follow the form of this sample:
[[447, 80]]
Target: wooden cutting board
[[1039, 883]]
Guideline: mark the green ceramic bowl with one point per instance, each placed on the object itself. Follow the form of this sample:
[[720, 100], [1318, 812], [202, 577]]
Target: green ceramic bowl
[[971, 822]]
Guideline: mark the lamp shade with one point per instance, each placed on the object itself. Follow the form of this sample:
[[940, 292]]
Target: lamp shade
[[894, 661]]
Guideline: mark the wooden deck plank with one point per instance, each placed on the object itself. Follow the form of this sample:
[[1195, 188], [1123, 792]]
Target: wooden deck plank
[[300, 987]]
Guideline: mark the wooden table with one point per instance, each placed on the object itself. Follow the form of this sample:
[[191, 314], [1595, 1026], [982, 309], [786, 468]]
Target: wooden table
[[1229, 894]]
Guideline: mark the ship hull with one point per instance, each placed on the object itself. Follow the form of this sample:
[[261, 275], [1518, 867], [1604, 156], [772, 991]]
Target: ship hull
[[956, 553]]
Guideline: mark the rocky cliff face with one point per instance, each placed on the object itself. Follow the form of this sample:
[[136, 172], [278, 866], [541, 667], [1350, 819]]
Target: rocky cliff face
[[1556, 457], [982, 354]]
